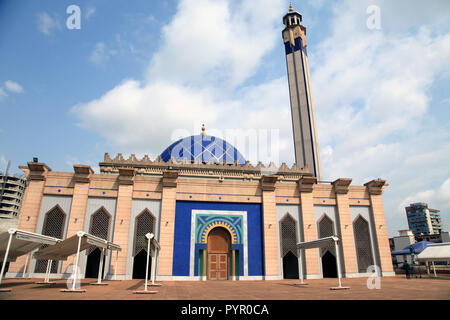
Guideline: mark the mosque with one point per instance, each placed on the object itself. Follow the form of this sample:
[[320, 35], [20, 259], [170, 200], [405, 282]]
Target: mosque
[[216, 216]]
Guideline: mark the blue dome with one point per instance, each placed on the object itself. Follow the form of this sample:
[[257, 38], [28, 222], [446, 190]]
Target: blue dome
[[203, 148]]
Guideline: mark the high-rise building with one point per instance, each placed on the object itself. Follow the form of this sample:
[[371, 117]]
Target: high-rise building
[[302, 106], [423, 220], [12, 189]]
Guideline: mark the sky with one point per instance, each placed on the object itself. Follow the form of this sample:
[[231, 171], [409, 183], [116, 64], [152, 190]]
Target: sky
[[137, 75]]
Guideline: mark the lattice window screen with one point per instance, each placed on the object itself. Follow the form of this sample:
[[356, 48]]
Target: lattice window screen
[[99, 226], [288, 236], [326, 230], [54, 227], [144, 224], [362, 243]]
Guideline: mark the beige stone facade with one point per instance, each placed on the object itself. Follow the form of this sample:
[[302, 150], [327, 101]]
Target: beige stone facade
[[125, 182]]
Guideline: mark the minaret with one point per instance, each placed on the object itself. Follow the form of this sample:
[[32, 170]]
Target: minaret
[[302, 107]]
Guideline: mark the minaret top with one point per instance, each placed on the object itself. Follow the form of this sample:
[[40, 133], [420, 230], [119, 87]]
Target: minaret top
[[292, 18]]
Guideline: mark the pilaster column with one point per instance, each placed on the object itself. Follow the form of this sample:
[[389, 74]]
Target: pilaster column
[[31, 206], [81, 180], [376, 188], [123, 214], [345, 225], [306, 186], [271, 239], [167, 224]]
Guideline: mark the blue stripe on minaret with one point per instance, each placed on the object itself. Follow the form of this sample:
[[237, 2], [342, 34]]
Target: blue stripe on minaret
[[297, 46], [309, 116]]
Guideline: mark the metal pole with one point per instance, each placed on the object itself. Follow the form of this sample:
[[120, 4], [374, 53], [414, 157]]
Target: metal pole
[[338, 262], [153, 268], [115, 265], [434, 269], [47, 272], [146, 266], [301, 265], [76, 262], [25, 267], [100, 267], [5, 258]]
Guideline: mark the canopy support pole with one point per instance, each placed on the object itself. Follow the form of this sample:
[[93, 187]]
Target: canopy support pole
[[146, 271], [300, 268], [100, 270], [153, 270], [76, 270], [25, 267], [5, 259], [434, 269], [115, 265], [47, 274], [338, 264]]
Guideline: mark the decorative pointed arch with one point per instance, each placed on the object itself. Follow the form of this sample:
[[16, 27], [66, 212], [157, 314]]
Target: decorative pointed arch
[[363, 245], [100, 225], [288, 234], [325, 228], [53, 226], [145, 223]]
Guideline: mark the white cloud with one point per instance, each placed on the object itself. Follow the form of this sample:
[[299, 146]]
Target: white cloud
[[101, 54], [371, 91], [47, 24], [13, 86]]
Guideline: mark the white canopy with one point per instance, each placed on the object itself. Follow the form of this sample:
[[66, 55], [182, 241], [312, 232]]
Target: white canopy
[[319, 243], [435, 252], [69, 246], [22, 242]]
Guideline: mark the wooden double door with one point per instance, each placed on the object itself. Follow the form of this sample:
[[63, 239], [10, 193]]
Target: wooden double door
[[218, 254]]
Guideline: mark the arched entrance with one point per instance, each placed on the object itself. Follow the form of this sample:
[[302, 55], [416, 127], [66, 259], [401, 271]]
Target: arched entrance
[[100, 222], [327, 254], [218, 254], [144, 224]]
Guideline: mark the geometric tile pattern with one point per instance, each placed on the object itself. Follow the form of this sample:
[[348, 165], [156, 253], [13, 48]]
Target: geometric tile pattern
[[203, 148]]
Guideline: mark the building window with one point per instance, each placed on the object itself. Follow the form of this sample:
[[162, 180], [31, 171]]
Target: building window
[[54, 227], [362, 244]]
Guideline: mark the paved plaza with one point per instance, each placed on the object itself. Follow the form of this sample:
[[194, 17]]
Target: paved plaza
[[397, 288]]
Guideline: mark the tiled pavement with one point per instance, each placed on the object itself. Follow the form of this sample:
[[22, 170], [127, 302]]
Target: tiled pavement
[[391, 288]]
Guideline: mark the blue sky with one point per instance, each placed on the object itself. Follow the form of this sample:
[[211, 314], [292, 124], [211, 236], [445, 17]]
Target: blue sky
[[139, 74]]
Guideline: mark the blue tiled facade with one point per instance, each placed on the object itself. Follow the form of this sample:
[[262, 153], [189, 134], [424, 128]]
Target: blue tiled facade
[[182, 237]]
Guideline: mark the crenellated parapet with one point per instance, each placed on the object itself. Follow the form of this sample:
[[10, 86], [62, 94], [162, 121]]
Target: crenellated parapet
[[146, 166]]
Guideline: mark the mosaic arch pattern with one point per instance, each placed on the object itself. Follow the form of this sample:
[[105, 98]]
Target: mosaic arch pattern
[[205, 223]]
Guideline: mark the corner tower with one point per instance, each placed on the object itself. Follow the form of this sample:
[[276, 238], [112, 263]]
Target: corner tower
[[302, 107]]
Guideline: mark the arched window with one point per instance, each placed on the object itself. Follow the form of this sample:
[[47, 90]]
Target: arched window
[[145, 223], [362, 243], [289, 252], [53, 226], [326, 229], [99, 226]]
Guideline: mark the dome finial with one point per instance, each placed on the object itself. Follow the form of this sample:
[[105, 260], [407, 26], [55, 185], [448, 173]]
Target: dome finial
[[203, 129], [291, 8]]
